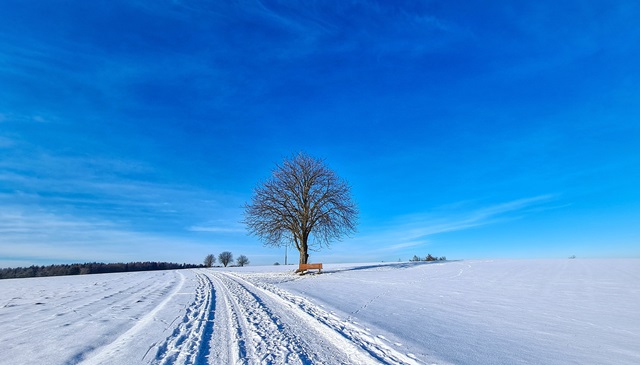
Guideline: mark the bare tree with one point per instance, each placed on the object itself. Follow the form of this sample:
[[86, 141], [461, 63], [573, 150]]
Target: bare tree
[[303, 198], [225, 258], [242, 260], [209, 260]]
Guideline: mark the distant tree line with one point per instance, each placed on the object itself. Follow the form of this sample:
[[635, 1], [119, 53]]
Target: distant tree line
[[429, 257], [89, 268], [225, 259]]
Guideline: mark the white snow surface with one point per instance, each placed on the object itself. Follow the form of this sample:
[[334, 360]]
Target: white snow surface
[[456, 312]]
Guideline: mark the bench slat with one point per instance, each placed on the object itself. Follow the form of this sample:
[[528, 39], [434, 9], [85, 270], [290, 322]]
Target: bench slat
[[305, 267]]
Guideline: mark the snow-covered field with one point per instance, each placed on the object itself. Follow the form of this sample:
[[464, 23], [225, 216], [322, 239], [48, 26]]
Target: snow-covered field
[[461, 312]]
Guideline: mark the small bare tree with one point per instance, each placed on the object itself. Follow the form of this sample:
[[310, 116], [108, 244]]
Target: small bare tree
[[242, 260], [209, 260], [303, 198], [225, 258]]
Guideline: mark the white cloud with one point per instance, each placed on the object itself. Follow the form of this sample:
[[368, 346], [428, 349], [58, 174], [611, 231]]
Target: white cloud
[[39, 119], [215, 229], [414, 230], [107, 186], [32, 235], [57, 208], [5, 142]]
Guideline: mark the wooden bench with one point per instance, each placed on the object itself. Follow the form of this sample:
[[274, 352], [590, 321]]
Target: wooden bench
[[304, 267]]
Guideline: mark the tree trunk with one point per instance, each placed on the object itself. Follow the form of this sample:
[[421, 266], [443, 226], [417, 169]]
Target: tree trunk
[[304, 256]]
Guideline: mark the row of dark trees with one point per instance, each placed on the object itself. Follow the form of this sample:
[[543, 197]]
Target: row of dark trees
[[429, 257], [88, 268], [225, 259]]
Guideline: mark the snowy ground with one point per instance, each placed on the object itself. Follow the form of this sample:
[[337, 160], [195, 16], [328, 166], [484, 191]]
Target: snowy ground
[[464, 312]]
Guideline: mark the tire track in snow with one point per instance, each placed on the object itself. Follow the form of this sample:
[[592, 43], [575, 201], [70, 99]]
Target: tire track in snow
[[259, 335], [322, 337], [227, 344], [356, 336], [189, 342], [234, 321]]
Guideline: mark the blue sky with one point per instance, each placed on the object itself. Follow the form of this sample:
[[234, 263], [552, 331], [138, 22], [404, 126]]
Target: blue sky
[[136, 130]]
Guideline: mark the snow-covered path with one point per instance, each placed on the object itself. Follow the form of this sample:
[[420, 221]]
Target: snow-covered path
[[177, 317], [467, 312], [264, 325]]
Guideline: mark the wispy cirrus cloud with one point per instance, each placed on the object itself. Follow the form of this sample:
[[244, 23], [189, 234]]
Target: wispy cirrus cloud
[[220, 226], [214, 229], [415, 230], [56, 208], [6, 142], [126, 190], [38, 236]]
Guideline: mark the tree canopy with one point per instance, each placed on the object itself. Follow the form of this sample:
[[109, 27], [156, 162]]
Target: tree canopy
[[242, 260], [225, 258], [303, 199]]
